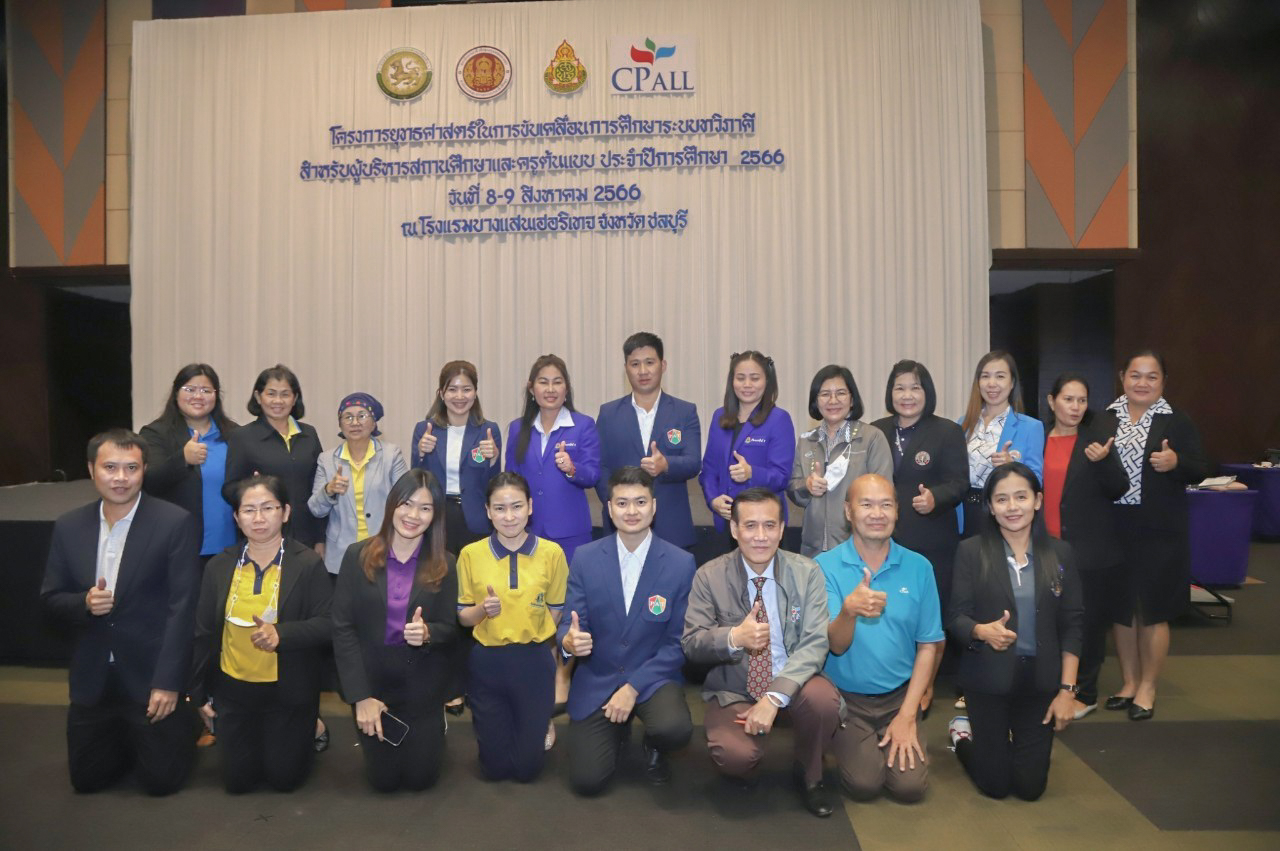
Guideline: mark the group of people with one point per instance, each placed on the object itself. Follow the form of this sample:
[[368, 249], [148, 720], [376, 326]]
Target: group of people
[[239, 567]]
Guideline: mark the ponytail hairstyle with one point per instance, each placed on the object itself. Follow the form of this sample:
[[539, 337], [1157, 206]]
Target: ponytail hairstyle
[[729, 420]]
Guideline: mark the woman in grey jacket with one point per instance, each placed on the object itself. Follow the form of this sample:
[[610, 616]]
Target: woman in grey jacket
[[352, 482], [831, 456]]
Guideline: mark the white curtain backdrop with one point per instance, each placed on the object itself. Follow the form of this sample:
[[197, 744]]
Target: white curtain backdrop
[[870, 244]]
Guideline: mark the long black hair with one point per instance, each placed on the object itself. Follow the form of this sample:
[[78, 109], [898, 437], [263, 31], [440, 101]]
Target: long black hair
[[769, 399], [173, 417], [531, 404], [433, 564], [1047, 568], [1059, 384]]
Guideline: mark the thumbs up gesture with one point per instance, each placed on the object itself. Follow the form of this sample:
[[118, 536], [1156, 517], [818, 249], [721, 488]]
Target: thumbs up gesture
[[99, 600], [815, 482], [428, 442], [655, 463], [339, 483], [1164, 459], [1004, 456], [577, 642], [265, 636], [488, 448], [416, 633], [1097, 451], [741, 470], [563, 462], [751, 634], [491, 604], [862, 601], [997, 634], [194, 452], [923, 501]]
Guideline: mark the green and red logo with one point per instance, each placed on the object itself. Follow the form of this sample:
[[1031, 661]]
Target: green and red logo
[[651, 53]]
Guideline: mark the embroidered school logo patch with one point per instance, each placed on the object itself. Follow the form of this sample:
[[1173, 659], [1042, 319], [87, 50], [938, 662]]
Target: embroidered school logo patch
[[539, 600], [922, 459], [477, 455], [657, 604], [674, 437]]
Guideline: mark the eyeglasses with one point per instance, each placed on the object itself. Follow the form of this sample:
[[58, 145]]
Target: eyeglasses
[[361, 417], [249, 512], [278, 394], [837, 395], [197, 390]]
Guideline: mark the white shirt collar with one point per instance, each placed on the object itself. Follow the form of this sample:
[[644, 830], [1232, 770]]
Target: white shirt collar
[[127, 519], [641, 411], [564, 419], [751, 574], [641, 552]]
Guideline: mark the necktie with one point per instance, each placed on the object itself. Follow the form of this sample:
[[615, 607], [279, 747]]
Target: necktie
[[759, 662]]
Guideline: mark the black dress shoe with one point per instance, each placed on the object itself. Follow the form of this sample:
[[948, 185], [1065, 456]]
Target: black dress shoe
[[817, 798], [1140, 713], [1115, 703], [456, 709], [657, 769]]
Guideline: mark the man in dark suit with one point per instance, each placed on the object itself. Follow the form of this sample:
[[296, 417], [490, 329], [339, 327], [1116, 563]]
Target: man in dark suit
[[655, 431], [626, 601], [124, 573]]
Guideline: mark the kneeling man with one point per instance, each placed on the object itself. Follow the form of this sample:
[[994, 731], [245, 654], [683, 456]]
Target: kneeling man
[[626, 600], [885, 632], [759, 615]]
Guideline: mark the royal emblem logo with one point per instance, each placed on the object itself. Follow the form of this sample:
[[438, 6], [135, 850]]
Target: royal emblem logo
[[922, 459], [484, 72], [565, 75], [674, 437], [657, 604], [404, 73], [477, 455]]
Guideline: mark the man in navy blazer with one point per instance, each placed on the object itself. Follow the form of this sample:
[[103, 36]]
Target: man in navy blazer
[[655, 431], [124, 572], [626, 601]]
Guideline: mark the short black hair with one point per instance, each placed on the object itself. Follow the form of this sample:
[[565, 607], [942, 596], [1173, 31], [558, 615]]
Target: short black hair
[[121, 437], [756, 494], [279, 372], [824, 375], [630, 475], [639, 340], [922, 375], [1144, 353], [507, 479], [233, 492]]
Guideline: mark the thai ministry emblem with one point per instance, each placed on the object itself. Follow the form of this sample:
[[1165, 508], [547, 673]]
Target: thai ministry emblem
[[565, 75], [484, 72], [404, 73]]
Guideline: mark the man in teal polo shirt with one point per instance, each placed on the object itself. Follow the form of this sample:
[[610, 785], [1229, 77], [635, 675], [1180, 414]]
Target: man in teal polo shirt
[[885, 632]]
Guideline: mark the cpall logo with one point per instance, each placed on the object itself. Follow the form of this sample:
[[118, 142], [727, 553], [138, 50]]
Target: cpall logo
[[652, 66]]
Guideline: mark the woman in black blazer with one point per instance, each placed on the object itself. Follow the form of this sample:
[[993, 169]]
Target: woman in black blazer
[[262, 623], [1160, 450], [394, 619], [1016, 605], [276, 444], [1082, 478], [930, 475], [187, 455]]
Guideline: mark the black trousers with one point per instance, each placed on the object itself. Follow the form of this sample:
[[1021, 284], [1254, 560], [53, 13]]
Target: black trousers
[[512, 692], [415, 764], [1099, 600], [1010, 748], [107, 739], [262, 739], [595, 741]]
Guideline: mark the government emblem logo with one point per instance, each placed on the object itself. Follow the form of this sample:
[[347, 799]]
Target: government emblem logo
[[404, 73], [922, 459], [484, 72], [565, 75], [657, 604], [674, 436]]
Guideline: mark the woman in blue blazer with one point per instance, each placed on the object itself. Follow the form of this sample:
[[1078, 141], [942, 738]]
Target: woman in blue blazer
[[752, 442], [557, 450], [461, 448], [996, 432]]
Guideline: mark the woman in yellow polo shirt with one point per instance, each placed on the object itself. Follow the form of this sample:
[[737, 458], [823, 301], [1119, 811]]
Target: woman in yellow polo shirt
[[511, 589], [263, 614]]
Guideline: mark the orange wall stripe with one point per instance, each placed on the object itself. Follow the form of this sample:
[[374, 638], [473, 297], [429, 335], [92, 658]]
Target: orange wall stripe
[[37, 178], [1110, 225], [85, 85], [44, 21], [1050, 154], [1099, 61], [1060, 11], [90, 245]]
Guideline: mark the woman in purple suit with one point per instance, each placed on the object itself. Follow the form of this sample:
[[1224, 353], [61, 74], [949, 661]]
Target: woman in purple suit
[[557, 451], [752, 442]]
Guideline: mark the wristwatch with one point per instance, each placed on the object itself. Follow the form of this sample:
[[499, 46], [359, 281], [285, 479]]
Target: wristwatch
[[1074, 689]]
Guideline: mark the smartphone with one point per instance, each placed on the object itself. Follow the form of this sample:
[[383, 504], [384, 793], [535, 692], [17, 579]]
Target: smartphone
[[393, 729]]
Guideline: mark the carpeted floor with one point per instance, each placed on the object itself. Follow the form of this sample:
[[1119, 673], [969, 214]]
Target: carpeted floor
[[336, 810], [1198, 775]]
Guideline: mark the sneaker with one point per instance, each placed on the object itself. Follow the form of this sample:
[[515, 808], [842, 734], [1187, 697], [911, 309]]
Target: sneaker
[[1085, 709], [550, 741], [959, 729], [960, 704]]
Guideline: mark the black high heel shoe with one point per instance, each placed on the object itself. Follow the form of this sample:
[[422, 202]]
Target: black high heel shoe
[[1115, 703]]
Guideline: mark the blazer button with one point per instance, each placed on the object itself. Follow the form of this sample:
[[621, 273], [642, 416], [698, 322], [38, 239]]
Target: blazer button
[[621, 669]]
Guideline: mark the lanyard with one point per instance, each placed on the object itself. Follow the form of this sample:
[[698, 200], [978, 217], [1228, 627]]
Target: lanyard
[[268, 614]]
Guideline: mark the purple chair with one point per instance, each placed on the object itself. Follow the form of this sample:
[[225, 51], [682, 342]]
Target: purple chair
[[1266, 481], [1221, 523]]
